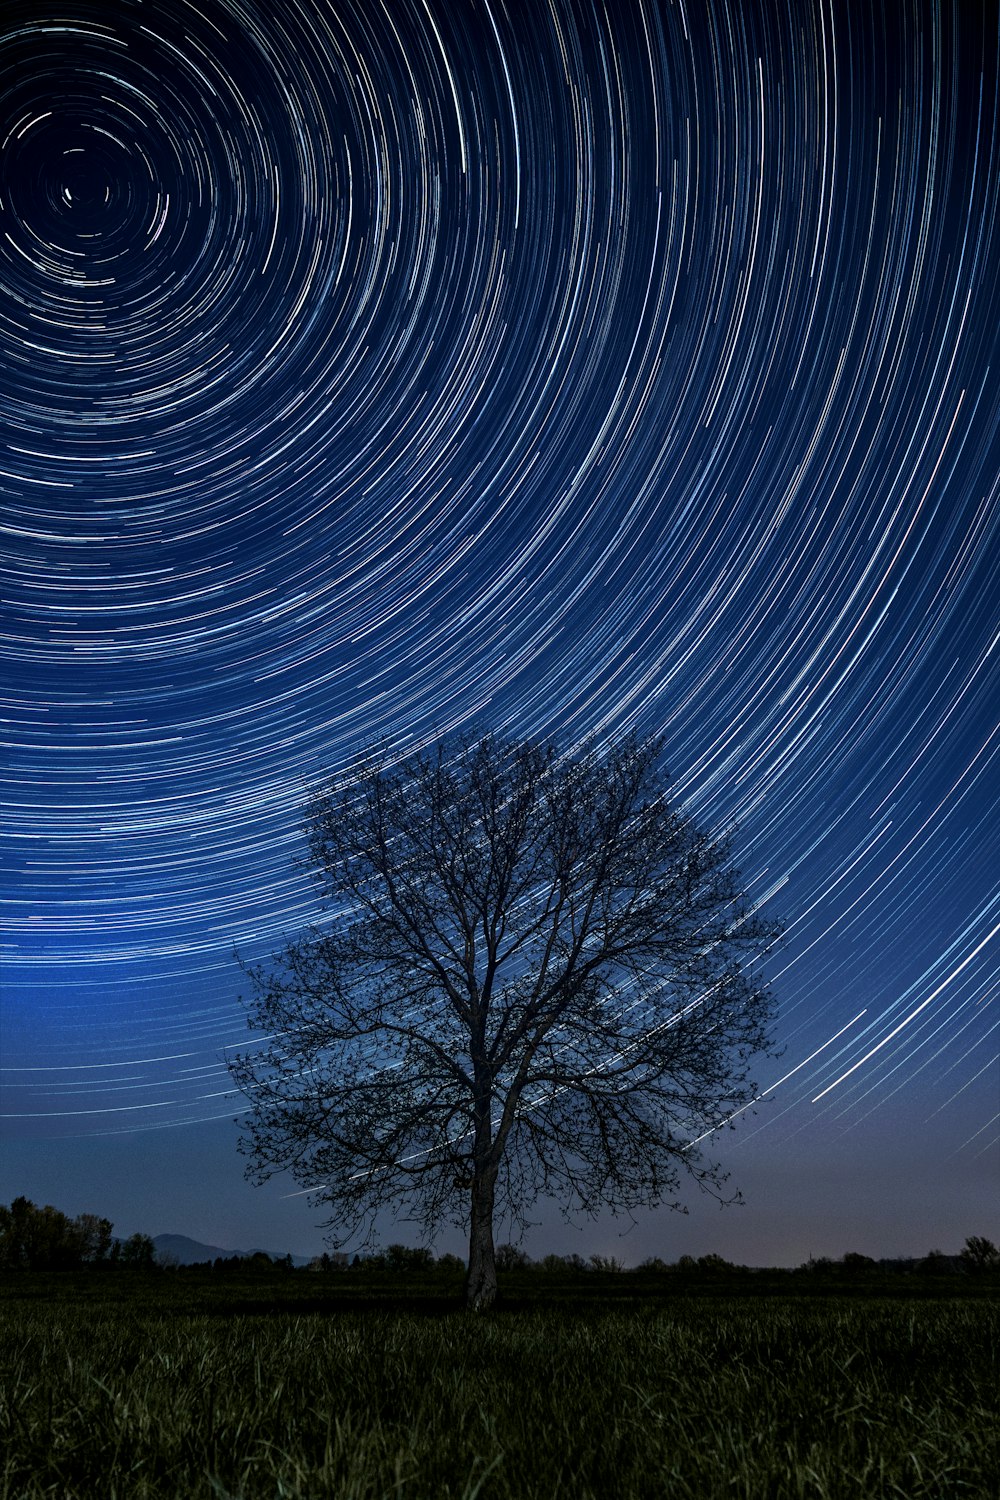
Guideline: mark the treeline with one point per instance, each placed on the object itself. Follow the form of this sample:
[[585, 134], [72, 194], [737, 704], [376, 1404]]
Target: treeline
[[978, 1255], [44, 1239], [396, 1260]]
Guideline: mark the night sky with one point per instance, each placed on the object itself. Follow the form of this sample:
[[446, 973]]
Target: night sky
[[371, 368]]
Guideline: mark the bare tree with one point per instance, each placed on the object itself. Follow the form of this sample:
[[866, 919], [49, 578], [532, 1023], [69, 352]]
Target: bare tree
[[539, 977]]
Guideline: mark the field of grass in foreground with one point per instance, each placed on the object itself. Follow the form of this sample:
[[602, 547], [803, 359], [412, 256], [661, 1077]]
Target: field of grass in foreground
[[152, 1390]]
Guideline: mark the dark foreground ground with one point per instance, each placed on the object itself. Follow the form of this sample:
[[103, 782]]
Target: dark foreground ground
[[213, 1387]]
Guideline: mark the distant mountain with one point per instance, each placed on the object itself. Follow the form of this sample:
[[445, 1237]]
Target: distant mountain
[[180, 1249]]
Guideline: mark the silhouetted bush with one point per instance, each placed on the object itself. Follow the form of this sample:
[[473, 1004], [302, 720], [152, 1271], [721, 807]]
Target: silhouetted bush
[[854, 1264], [511, 1258], [979, 1255]]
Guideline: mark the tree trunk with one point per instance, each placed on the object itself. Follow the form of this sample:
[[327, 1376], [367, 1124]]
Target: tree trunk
[[481, 1282]]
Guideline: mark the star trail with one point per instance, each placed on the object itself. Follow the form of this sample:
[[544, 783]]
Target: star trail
[[370, 368]]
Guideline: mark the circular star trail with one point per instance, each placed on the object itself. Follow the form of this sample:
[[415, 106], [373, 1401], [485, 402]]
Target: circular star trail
[[374, 368]]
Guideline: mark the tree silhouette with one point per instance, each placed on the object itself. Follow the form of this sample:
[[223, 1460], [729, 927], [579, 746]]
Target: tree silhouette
[[538, 977], [979, 1254], [45, 1239]]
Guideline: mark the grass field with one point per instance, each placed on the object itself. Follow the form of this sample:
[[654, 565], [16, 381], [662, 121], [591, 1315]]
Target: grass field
[[179, 1386]]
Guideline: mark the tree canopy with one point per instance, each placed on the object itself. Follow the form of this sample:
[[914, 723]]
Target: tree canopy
[[45, 1239], [538, 976]]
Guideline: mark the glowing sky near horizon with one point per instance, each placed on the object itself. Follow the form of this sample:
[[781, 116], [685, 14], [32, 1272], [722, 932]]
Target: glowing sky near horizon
[[371, 369]]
